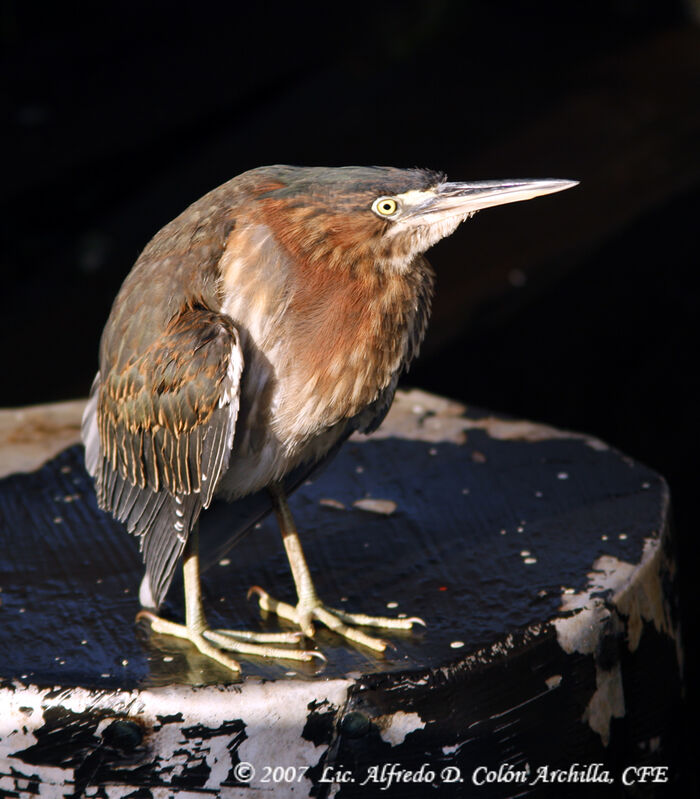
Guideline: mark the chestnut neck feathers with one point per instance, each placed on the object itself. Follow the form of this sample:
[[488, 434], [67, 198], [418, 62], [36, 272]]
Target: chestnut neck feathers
[[353, 317], [336, 322]]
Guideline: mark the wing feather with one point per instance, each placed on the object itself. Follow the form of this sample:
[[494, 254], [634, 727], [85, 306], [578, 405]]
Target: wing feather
[[159, 430]]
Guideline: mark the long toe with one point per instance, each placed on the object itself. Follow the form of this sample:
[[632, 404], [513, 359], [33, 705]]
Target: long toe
[[216, 643], [327, 617], [227, 641], [383, 622], [339, 621], [263, 638]]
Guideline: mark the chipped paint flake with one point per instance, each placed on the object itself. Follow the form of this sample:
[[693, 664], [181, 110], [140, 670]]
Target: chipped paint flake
[[328, 502], [395, 727], [606, 703], [384, 507]]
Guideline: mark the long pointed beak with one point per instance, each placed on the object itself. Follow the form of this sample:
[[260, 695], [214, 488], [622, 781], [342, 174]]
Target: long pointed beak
[[464, 199]]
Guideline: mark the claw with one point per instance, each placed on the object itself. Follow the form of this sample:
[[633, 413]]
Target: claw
[[146, 614], [255, 589]]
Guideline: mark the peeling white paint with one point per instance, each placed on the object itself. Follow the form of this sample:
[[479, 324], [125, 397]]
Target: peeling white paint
[[274, 715], [606, 703], [643, 600], [635, 592], [523, 430], [438, 419], [581, 631], [30, 436], [119, 791], [395, 727], [274, 723]]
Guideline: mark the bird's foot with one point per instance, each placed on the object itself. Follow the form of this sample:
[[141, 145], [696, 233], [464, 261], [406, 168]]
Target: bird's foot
[[337, 620], [240, 641]]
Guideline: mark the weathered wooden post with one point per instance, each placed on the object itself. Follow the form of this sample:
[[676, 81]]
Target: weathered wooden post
[[540, 559]]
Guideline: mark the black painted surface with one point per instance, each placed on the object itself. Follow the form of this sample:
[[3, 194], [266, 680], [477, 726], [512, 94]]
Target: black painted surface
[[499, 714], [70, 575]]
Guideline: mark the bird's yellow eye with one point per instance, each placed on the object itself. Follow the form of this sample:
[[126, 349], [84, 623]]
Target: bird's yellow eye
[[385, 206]]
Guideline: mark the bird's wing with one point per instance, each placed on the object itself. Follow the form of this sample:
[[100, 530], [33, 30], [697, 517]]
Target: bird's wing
[[159, 430]]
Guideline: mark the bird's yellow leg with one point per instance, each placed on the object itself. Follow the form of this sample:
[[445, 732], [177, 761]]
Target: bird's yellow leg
[[309, 606], [197, 631]]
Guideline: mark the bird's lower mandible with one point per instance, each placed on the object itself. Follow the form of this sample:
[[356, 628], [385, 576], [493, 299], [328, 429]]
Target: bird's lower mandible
[[254, 334]]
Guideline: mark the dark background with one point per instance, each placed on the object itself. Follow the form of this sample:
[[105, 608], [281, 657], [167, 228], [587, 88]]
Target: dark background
[[577, 310]]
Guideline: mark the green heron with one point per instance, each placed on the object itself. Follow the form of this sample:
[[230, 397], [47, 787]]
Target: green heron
[[254, 334]]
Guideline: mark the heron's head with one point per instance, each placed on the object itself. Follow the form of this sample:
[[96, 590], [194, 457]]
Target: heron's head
[[383, 216]]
